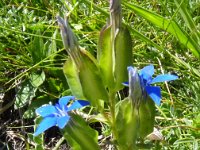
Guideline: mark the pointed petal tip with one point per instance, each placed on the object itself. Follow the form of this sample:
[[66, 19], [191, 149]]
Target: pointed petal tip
[[65, 99], [164, 78], [147, 72], [157, 102], [45, 124], [78, 104], [84, 102], [125, 84]]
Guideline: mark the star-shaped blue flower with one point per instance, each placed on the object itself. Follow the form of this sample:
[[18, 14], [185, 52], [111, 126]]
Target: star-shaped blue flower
[[146, 80], [57, 115]]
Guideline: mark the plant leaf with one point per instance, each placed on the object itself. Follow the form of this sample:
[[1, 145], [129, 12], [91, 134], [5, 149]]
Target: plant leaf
[[104, 56], [126, 124], [91, 80], [79, 135], [25, 94], [37, 79], [123, 56], [146, 117], [71, 74]]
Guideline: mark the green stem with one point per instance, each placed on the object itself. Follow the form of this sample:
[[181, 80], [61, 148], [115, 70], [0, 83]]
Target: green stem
[[112, 111]]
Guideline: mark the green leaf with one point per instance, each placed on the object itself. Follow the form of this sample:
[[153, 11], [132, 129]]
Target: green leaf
[[113, 64], [38, 140], [126, 124], [30, 113], [52, 46], [104, 56], [37, 48], [168, 25], [54, 85], [123, 56], [71, 74], [25, 94], [37, 79], [91, 80], [79, 135], [52, 49], [146, 117]]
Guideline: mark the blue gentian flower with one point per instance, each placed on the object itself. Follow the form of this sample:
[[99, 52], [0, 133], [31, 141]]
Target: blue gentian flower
[[145, 85], [57, 115]]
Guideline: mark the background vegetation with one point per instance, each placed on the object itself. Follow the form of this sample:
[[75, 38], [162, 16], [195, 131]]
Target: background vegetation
[[164, 32]]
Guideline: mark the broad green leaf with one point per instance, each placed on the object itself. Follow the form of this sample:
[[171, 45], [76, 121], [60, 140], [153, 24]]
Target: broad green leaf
[[37, 79], [113, 64], [168, 25], [71, 74], [105, 56], [146, 117], [91, 80], [127, 124], [79, 135], [25, 94], [123, 56]]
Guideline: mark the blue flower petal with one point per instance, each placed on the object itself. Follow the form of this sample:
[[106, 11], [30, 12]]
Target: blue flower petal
[[165, 77], [64, 100], [155, 93], [46, 123], [46, 110], [147, 72], [62, 121], [126, 84], [78, 104]]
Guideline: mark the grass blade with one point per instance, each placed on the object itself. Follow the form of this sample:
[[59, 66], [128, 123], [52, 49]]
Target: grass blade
[[186, 15], [168, 25]]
